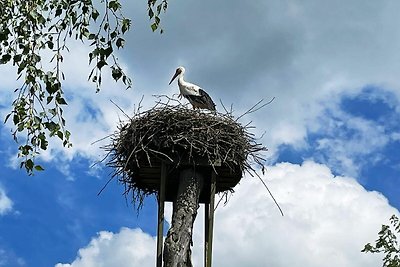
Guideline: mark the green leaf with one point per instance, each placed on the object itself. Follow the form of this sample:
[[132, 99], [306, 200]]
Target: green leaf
[[49, 99], [61, 101], [95, 14], [50, 44], [106, 26], [29, 164], [116, 74], [67, 135], [151, 2], [39, 168], [154, 27], [108, 51], [25, 149], [15, 119], [85, 9], [21, 67], [60, 135], [4, 35], [17, 58], [91, 56], [51, 126], [114, 5], [52, 111], [101, 64], [114, 34], [8, 115], [120, 42], [151, 13], [58, 12], [126, 24], [85, 32], [5, 58]]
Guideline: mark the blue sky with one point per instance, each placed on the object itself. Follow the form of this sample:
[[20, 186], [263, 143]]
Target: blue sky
[[332, 131], [376, 168]]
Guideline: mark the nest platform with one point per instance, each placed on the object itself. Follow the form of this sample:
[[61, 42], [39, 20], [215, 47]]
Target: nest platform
[[179, 138], [148, 177]]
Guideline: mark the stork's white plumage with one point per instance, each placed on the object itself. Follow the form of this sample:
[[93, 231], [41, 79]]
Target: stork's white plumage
[[194, 93]]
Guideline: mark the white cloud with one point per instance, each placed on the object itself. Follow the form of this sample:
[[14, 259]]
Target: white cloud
[[129, 247], [6, 203], [327, 222]]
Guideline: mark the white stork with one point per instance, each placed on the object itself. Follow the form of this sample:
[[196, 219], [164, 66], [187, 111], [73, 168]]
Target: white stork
[[196, 96]]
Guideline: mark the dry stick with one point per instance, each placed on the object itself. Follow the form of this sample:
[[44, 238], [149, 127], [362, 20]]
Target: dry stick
[[121, 109], [223, 106], [169, 99], [100, 161], [224, 195], [108, 136], [163, 154], [101, 139], [104, 187], [272, 196], [269, 102], [255, 107], [139, 105]]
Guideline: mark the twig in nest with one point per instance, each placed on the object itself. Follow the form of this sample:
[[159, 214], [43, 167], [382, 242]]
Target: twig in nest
[[255, 107], [225, 195], [123, 112], [270, 193], [104, 187]]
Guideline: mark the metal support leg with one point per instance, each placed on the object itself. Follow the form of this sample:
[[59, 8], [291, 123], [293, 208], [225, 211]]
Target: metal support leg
[[209, 223], [206, 230], [160, 227]]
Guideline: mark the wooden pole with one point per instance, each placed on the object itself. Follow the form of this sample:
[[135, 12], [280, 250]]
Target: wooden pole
[[210, 221], [160, 227], [177, 245]]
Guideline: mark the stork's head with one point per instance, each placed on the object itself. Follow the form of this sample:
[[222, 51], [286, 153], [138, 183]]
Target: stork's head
[[179, 71]]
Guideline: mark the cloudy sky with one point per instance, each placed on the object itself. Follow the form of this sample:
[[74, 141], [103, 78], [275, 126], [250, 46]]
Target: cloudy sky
[[332, 131]]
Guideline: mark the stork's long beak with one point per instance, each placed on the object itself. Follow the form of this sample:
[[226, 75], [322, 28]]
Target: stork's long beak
[[175, 75]]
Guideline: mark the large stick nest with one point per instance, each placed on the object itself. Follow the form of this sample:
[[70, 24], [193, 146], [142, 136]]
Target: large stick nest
[[180, 137]]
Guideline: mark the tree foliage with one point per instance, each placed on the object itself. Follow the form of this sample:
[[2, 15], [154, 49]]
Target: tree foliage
[[34, 37], [155, 9], [387, 243]]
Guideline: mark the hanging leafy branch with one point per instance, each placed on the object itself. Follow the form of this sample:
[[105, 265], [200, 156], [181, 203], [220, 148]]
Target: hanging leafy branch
[[31, 32], [387, 243], [155, 9]]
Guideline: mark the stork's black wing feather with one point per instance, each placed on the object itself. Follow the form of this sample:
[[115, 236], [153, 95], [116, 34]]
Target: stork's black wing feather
[[202, 100], [206, 99]]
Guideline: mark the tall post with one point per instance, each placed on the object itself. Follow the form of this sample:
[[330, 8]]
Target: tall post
[[177, 246], [160, 227], [209, 223]]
